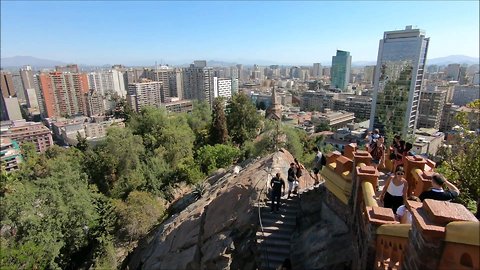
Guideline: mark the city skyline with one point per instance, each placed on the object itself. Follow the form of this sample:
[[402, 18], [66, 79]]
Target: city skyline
[[235, 32]]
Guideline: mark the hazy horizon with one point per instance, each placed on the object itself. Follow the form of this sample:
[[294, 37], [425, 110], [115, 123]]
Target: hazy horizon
[[137, 33]]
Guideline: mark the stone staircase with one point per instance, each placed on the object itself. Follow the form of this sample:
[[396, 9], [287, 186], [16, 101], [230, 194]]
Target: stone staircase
[[274, 241]]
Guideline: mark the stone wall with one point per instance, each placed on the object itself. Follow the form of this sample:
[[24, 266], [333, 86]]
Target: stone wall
[[433, 241], [322, 239]]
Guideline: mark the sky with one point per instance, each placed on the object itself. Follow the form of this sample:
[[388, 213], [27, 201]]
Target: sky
[[131, 33]]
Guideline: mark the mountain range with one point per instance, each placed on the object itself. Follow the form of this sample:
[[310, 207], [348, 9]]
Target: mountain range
[[18, 61]]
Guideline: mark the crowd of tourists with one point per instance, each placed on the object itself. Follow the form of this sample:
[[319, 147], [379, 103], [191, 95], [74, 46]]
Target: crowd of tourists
[[395, 191]]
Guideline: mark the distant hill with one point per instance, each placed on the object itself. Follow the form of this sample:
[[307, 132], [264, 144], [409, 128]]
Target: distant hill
[[18, 61], [453, 59]]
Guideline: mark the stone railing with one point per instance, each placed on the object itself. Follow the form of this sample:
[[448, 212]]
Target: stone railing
[[391, 245], [436, 239]]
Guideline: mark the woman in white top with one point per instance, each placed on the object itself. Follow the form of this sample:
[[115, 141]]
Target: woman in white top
[[395, 190]]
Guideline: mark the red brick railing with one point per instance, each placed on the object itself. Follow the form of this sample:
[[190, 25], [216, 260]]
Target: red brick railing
[[433, 242], [391, 245]]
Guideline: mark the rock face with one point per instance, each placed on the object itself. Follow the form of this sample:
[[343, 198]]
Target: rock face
[[217, 231]]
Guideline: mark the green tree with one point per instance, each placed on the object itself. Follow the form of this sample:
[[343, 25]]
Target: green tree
[[293, 142], [460, 163], [242, 119], [50, 216], [199, 120], [218, 130], [123, 109], [322, 127], [114, 166], [137, 214], [217, 156], [82, 143]]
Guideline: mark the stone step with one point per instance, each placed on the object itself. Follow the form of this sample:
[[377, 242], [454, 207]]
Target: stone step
[[279, 215], [274, 242], [284, 226], [282, 251], [273, 235], [281, 229], [272, 220], [274, 261]]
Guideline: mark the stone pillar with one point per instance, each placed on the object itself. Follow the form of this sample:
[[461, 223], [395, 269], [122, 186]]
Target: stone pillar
[[422, 181], [368, 174], [344, 164], [350, 149], [412, 163], [361, 156], [332, 156], [426, 239]]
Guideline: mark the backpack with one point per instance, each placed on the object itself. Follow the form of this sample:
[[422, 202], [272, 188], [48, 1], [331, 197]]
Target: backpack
[[323, 161], [298, 173]]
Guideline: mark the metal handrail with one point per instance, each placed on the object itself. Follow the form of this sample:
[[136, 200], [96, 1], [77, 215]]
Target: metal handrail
[[260, 215]]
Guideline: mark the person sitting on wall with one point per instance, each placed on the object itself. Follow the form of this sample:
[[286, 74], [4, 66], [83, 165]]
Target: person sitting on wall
[[403, 214], [437, 192], [395, 190]]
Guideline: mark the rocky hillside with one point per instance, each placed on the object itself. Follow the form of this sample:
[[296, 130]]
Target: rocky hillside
[[218, 230]]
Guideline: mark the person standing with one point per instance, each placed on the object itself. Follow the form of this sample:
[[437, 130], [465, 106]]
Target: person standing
[[317, 164], [277, 184], [292, 177], [377, 150], [394, 192], [397, 156], [437, 192]]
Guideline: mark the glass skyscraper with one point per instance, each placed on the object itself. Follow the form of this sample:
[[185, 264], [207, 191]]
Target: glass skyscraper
[[398, 80], [340, 72]]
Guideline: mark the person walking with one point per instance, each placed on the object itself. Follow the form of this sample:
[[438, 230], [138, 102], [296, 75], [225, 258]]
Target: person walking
[[277, 184], [394, 192], [377, 150], [317, 164], [398, 146], [292, 177]]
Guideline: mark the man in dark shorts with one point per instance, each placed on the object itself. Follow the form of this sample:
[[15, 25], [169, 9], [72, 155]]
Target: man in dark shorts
[[277, 184], [437, 192]]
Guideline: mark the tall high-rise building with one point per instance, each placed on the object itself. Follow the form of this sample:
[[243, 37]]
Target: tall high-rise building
[[369, 72], [64, 93], [398, 80], [6, 84], [431, 105], [453, 72], [107, 83], [340, 72], [317, 70], [95, 103], [198, 82], [176, 83], [9, 106], [143, 94], [68, 68], [222, 87], [30, 88], [161, 74]]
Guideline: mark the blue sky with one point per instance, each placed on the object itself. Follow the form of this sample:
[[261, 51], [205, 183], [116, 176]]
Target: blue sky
[[243, 31]]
